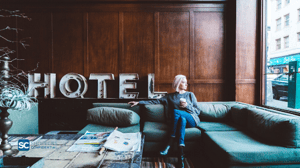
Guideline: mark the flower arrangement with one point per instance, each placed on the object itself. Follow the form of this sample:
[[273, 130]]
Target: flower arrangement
[[13, 92]]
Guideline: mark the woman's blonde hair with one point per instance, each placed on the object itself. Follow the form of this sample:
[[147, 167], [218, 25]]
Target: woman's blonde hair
[[177, 81]]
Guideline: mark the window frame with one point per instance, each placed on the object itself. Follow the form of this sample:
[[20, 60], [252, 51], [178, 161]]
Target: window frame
[[263, 56], [299, 15], [286, 40], [278, 40], [287, 2], [279, 5], [286, 20], [278, 26]]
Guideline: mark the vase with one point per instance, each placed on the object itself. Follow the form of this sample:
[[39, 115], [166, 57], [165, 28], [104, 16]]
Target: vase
[[5, 125]]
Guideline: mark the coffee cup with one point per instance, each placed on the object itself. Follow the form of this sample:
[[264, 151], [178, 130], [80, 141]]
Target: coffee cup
[[182, 100]]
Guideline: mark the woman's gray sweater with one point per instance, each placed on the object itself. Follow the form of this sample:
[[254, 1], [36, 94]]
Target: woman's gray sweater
[[172, 100]]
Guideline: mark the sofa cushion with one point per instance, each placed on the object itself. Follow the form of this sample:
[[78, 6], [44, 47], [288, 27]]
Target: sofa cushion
[[213, 112], [239, 148], [112, 116], [119, 105], [283, 130], [154, 112], [157, 132], [239, 115], [217, 126], [103, 128]]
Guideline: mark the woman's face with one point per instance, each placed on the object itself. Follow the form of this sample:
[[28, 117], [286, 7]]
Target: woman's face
[[183, 84]]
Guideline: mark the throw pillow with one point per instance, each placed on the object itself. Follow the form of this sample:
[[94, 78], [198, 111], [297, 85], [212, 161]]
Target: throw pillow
[[112, 116], [239, 115], [154, 112], [278, 129], [213, 112]]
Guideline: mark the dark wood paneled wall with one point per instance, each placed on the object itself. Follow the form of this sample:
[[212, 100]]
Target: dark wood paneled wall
[[247, 58], [166, 38]]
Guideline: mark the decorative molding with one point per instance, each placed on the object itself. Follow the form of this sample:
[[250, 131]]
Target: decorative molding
[[194, 81], [245, 81]]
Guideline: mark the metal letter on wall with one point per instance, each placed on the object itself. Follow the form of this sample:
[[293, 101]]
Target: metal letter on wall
[[101, 81], [64, 85], [128, 81], [151, 93], [34, 82]]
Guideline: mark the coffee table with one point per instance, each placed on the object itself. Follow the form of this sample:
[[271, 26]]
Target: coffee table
[[53, 148]]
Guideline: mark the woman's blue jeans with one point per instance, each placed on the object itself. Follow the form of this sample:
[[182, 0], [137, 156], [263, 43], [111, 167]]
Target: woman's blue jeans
[[182, 119]]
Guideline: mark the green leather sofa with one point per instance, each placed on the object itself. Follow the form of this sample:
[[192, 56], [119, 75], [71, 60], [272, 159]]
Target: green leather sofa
[[231, 134]]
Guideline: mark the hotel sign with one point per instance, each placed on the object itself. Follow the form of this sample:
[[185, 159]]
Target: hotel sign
[[126, 81]]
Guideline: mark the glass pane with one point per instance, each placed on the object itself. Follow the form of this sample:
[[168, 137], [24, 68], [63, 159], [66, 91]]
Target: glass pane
[[282, 47]]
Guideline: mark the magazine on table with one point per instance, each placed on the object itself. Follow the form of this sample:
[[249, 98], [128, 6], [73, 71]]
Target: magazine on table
[[118, 141], [89, 142]]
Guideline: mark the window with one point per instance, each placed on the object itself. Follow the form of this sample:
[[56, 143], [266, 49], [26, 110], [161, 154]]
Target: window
[[278, 44], [286, 42], [287, 20], [287, 2], [281, 50], [299, 15], [278, 24], [278, 4]]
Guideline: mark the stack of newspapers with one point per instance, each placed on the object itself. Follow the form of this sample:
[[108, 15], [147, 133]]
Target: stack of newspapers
[[114, 140]]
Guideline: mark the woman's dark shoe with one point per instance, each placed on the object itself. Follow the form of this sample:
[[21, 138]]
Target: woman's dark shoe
[[181, 158], [165, 152]]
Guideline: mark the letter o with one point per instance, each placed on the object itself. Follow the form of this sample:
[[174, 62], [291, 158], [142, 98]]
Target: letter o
[[64, 85]]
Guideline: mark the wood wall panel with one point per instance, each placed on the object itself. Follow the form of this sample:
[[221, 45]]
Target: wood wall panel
[[173, 50], [138, 56], [102, 44], [68, 39], [247, 58], [209, 92], [246, 39], [165, 88], [209, 45], [38, 54], [246, 93], [145, 37]]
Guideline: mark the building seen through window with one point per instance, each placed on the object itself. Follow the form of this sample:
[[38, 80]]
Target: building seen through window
[[286, 42], [287, 20], [299, 15], [278, 4], [278, 44], [287, 2], [278, 24], [282, 52]]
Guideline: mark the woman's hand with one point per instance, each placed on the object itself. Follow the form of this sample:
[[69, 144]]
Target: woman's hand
[[183, 104], [133, 103]]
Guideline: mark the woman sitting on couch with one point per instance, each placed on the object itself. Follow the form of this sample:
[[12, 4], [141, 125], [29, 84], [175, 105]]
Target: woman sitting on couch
[[186, 111]]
